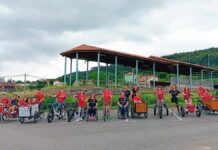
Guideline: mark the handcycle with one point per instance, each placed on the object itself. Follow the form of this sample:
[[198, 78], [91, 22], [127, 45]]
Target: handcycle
[[138, 109], [53, 112], [106, 113], [71, 112], [160, 105], [29, 112], [92, 112], [191, 108]]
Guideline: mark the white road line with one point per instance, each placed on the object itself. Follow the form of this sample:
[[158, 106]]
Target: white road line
[[174, 114]]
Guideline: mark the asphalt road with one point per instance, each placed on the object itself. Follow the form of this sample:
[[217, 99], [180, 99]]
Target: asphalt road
[[169, 133]]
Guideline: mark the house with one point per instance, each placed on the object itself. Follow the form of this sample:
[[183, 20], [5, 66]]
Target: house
[[129, 77], [7, 86], [147, 80], [58, 83]]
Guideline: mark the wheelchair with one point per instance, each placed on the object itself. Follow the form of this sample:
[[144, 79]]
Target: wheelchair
[[92, 112], [120, 116]]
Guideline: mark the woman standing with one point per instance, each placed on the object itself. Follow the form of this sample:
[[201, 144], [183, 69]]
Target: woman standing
[[174, 98], [81, 104]]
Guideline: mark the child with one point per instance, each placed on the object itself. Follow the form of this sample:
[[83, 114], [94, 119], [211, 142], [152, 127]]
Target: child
[[14, 104], [81, 103], [39, 98], [137, 98], [23, 102], [160, 95], [207, 96], [5, 101], [107, 97], [187, 95], [61, 100]]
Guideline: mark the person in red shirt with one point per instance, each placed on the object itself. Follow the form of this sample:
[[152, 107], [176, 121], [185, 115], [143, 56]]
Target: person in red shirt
[[107, 97], [160, 95], [81, 104], [201, 91], [5, 101], [61, 96], [23, 102], [137, 98], [187, 95], [39, 98], [207, 96]]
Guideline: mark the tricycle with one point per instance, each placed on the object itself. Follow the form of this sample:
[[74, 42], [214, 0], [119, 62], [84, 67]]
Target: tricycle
[[29, 112], [191, 108], [138, 109]]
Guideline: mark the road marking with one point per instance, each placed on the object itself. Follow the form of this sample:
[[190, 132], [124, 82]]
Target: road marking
[[174, 114]]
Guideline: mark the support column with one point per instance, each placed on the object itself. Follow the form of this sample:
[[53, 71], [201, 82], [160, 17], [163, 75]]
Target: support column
[[77, 63], [154, 74], [70, 72], [133, 77], [65, 71], [136, 72], [87, 70], [115, 71], [211, 80], [190, 78], [98, 76], [24, 84], [106, 74], [202, 77], [177, 76]]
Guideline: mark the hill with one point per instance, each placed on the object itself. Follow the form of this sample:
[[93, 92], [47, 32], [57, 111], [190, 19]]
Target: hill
[[198, 57]]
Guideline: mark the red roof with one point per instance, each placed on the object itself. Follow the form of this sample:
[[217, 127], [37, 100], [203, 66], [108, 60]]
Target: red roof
[[7, 84], [87, 52], [88, 48]]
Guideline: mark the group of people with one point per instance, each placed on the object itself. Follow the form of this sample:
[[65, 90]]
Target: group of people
[[12, 104], [92, 102], [204, 94]]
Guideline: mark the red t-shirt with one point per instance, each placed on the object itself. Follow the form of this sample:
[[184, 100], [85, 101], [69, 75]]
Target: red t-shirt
[[201, 91], [160, 94], [22, 103], [5, 101], [187, 94], [81, 100], [107, 96], [61, 97], [40, 96], [137, 99], [207, 97]]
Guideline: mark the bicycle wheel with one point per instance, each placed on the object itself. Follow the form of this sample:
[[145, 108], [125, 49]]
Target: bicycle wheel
[[160, 112], [50, 117]]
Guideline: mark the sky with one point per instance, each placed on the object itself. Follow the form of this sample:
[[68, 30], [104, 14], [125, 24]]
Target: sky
[[34, 32]]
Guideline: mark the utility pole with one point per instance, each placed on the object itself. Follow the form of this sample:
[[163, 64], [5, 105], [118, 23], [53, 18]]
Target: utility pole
[[24, 83]]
